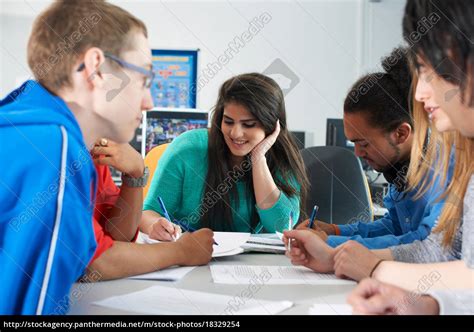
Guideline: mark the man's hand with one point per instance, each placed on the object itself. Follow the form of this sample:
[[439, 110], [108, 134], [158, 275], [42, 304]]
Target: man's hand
[[196, 248], [316, 230], [318, 226], [120, 156]]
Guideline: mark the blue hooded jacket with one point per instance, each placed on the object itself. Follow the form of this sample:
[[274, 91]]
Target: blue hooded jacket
[[47, 186]]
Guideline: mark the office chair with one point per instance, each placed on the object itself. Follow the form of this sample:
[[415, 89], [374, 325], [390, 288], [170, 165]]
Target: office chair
[[151, 161], [337, 185]]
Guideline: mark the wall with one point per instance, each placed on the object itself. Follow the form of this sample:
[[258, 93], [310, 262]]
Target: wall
[[322, 45]]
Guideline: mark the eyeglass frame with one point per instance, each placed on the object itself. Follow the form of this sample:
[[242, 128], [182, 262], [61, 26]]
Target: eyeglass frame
[[148, 73]]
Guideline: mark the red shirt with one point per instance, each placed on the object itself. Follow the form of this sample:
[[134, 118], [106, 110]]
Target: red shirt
[[107, 195]]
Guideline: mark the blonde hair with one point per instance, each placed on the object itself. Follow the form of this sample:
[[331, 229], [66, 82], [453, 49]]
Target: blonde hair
[[431, 152], [67, 28]]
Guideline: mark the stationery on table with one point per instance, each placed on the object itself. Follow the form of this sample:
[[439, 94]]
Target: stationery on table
[[290, 226], [165, 212], [313, 216], [229, 242], [184, 226], [268, 243], [169, 274], [160, 300], [273, 275], [330, 309], [189, 229]]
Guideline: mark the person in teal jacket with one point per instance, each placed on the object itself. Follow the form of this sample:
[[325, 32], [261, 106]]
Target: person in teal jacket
[[244, 174]]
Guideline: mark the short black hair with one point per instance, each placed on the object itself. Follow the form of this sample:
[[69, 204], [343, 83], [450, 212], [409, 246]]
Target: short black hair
[[384, 96], [442, 33]]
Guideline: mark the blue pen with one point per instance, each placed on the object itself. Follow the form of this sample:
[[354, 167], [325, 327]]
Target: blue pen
[[167, 216], [290, 227], [187, 228], [163, 207], [313, 216]]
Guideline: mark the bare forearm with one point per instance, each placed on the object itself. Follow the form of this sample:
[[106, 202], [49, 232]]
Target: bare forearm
[[266, 191], [125, 259], [445, 275], [384, 254], [126, 214]]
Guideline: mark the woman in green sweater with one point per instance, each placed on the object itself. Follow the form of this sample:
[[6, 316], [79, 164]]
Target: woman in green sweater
[[244, 174]]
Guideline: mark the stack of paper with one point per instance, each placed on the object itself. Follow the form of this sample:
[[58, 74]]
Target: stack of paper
[[270, 243], [158, 300], [169, 274], [330, 309], [229, 243], [272, 275]]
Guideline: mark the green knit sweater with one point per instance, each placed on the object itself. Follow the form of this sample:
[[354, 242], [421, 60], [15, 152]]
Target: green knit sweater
[[179, 180]]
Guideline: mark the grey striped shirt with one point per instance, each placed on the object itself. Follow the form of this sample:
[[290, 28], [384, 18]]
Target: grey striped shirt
[[431, 249]]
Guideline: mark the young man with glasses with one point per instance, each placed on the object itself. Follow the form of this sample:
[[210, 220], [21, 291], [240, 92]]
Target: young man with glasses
[[91, 82]]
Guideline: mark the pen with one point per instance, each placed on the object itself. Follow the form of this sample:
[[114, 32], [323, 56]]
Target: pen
[[313, 216], [290, 226], [187, 228], [167, 216]]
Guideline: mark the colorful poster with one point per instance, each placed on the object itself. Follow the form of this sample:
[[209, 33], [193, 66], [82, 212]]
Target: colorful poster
[[175, 76]]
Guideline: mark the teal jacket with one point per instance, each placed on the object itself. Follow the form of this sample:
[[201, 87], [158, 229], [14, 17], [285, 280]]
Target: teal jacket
[[179, 180]]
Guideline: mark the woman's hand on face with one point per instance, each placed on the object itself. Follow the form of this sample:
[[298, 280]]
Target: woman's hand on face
[[258, 152]]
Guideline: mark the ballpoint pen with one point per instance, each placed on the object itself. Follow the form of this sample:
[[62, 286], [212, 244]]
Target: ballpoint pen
[[290, 226], [167, 216], [313, 216]]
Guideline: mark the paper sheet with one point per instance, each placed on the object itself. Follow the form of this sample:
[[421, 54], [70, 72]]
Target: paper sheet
[[264, 248], [280, 235], [265, 240], [169, 274], [330, 309], [159, 300], [229, 243], [272, 275]]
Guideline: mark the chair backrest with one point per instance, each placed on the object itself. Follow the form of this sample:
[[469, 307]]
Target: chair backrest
[[338, 185], [151, 161]]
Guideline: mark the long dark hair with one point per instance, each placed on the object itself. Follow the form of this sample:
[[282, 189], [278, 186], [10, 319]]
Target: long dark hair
[[441, 32], [263, 98]]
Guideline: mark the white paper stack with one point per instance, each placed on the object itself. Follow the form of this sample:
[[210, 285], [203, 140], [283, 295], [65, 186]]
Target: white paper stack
[[273, 275], [158, 300], [269, 243], [330, 309]]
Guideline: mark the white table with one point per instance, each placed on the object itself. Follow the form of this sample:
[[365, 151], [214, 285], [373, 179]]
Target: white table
[[200, 279]]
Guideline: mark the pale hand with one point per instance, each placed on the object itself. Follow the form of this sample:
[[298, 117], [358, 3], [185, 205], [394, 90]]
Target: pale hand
[[354, 261], [372, 297], [164, 230], [309, 250]]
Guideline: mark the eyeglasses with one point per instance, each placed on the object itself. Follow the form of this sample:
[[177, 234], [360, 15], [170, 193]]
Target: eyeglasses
[[148, 73]]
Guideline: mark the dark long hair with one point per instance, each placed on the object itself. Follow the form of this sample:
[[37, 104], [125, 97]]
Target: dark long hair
[[263, 98], [441, 32]]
